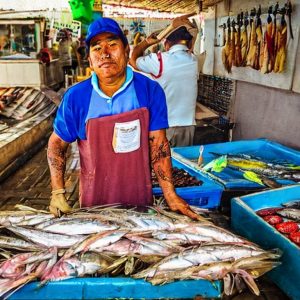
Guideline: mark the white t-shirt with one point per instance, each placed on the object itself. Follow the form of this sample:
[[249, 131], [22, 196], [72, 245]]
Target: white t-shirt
[[179, 81]]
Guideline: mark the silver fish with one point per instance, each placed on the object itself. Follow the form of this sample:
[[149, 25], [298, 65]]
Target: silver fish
[[15, 243], [292, 204], [182, 238], [37, 219], [290, 213], [96, 242], [75, 226], [200, 256], [210, 230], [47, 239]]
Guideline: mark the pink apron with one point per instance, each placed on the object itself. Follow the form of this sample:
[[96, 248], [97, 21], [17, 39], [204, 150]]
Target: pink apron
[[107, 177]]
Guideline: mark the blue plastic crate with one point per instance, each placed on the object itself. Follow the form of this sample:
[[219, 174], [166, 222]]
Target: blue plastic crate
[[247, 223], [117, 287], [208, 195], [233, 179]]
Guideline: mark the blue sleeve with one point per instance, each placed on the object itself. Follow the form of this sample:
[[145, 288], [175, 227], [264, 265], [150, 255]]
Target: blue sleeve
[[69, 123], [158, 109], [152, 96], [64, 123]]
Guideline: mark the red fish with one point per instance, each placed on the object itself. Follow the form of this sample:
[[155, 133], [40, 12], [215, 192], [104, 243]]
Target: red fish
[[268, 211], [295, 237], [287, 227], [273, 220]]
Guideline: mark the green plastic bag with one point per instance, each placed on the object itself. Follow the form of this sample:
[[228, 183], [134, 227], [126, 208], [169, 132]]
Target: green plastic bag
[[82, 10]]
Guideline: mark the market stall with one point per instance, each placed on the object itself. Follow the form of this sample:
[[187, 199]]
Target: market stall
[[22, 41], [151, 252]]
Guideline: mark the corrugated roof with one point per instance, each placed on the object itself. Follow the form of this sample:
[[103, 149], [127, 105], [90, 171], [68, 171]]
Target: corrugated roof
[[175, 6]]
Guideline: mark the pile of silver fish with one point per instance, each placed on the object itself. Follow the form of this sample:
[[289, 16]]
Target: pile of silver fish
[[157, 245]]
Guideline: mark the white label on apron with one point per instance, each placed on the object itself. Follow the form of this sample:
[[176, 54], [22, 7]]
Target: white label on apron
[[127, 136]]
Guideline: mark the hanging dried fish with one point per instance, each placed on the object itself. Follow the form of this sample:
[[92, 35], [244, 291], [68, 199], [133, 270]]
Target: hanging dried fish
[[227, 62], [271, 40], [265, 57], [288, 7], [232, 46], [244, 39], [238, 52], [253, 40], [281, 45], [259, 39]]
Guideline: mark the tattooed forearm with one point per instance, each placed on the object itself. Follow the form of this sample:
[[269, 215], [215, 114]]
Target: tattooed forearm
[[162, 175], [161, 162], [159, 152], [56, 155], [56, 159]]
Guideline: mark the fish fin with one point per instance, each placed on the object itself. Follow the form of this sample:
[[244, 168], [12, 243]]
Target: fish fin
[[239, 283], [228, 284], [248, 279], [216, 165], [251, 176]]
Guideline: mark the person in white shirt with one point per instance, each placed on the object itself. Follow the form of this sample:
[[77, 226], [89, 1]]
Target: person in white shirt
[[176, 70]]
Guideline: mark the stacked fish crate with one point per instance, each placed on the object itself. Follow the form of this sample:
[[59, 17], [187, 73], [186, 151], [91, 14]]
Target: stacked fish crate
[[269, 159], [247, 222], [206, 194]]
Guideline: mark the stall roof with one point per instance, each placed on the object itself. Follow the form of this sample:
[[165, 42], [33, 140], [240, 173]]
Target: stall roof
[[174, 6]]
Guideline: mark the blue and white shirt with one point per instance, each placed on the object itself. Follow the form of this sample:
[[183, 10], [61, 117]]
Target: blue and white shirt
[[179, 79], [79, 104]]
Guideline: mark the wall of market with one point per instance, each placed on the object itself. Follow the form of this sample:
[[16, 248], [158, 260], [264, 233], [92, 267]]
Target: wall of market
[[266, 105]]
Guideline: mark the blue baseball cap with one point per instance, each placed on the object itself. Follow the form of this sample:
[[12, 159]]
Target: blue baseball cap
[[102, 25]]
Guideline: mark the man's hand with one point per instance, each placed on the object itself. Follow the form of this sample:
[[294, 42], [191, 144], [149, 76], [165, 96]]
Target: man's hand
[[152, 39], [59, 203], [178, 204], [183, 21]]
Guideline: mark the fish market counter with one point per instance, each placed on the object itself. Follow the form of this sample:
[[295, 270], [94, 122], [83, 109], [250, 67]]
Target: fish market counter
[[117, 287], [129, 254]]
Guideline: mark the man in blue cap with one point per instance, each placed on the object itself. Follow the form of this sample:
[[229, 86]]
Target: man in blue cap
[[115, 116]]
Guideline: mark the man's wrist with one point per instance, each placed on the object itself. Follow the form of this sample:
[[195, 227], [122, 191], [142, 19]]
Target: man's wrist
[[145, 43], [58, 191], [169, 193]]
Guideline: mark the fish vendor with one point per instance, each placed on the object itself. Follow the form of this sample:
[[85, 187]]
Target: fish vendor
[[119, 119]]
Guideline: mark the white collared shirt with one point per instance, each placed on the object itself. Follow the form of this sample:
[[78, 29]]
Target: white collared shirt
[[179, 81]]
